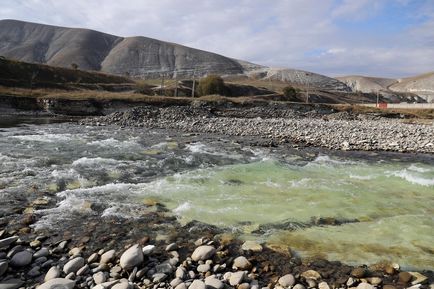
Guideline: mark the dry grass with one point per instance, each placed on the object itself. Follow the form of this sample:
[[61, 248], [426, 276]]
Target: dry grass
[[408, 113]]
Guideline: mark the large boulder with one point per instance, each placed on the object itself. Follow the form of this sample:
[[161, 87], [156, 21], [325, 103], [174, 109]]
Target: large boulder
[[132, 257]]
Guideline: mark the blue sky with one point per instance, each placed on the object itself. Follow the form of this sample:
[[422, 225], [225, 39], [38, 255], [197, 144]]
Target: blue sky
[[391, 38]]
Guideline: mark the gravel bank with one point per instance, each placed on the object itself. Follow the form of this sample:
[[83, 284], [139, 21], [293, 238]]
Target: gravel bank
[[337, 131]]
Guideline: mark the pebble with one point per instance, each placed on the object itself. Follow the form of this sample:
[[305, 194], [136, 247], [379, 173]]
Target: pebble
[[389, 287], [83, 270], [73, 265], [175, 282], [93, 258], [158, 277], [365, 285], [181, 286], [214, 283], [99, 278], [323, 285], [311, 274], [58, 283], [3, 267], [358, 272], [172, 247], [107, 257], [132, 257], [298, 286], [43, 252], [11, 284], [203, 268], [375, 281], [242, 263], [121, 285], [244, 286], [53, 273], [165, 268], [418, 278], [286, 281], [8, 241], [21, 259], [34, 272], [197, 284], [404, 277], [236, 278], [148, 249], [203, 253], [181, 272]]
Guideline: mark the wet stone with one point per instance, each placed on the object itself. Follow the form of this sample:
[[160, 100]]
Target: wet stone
[[404, 277], [3, 267], [236, 278], [287, 281], [11, 284], [73, 265], [53, 273], [107, 257], [203, 253], [197, 284], [132, 257], [242, 263], [358, 272], [21, 259]]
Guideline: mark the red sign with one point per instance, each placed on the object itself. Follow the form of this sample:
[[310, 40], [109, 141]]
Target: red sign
[[382, 105]]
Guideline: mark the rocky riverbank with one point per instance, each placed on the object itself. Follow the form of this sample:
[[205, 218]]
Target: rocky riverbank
[[210, 262], [276, 125]]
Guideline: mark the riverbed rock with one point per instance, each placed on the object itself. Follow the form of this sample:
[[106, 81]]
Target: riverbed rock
[[299, 286], [43, 252], [3, 267], [214, 283], [311, 274], [21, 259], [58, 283], [236, 278], [287, 280], [148, 249], [358, 272], [252, 246], [11, 284], [99, 277], [203, 268], [365, 285], [241, 263], [404, 277], [107, 257], [203, 253], [323, 285], [73, 265], [53, 273], [197, 284], [7, 241], [418, 278], [132, 257]]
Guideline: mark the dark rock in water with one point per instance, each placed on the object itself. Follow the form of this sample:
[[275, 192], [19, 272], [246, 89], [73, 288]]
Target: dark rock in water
[[11, 284], [404, 277], [233, 182], [200, 228]]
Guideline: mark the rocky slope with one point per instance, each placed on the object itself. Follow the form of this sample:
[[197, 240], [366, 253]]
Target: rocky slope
[[367, 84], [422, 85]]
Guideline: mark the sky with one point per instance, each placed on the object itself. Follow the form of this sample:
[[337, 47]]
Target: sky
[[388, 38]]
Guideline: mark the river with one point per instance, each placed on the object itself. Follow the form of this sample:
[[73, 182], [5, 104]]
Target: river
[[346, 206]]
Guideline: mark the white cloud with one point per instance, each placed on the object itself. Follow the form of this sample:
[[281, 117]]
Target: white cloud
[[277, 33]]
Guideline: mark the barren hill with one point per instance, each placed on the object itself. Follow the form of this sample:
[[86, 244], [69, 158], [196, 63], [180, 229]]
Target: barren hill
[[422, 85], [367, 84]]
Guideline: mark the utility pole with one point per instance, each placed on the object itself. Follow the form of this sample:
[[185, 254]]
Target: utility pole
[[194, 83], [176, 84], [162, 84], [307, 93], [378, 98]]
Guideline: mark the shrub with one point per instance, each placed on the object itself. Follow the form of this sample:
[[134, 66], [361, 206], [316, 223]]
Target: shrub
[[212, 84], [290, 92]]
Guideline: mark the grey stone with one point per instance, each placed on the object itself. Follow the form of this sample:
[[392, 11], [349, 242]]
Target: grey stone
[[93, 258], [8, 241], [298, 286], [83, 270], [236, 278], [287, 280], [241, 263], [53, 273], [11, 284], [34, 272], [165, 268], [73, 265], [323, 285], [70, 276], [58, 283], [122, 285], [132, 257], [43, 252], [214, 283], [3, 267], [418, 278], [203, 253], [99, 278], [311, 274], [181, 286], [21, 259], [203, 268], [175, 282], [180, 272], [148, 250], [107, 257], [244, 286], [364, 285], [158, 277], [172, 247], [106, 285], [197, 284]]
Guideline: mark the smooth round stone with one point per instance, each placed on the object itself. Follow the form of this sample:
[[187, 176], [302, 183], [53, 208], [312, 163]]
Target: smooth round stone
[[122, 285], [323, 285], [73, 265], [21, 259], [132, 257], [214, 283], [358, 272], [53, 273], [40, 260], [242, 263], [236, 278], [298, 286], [58, 283], [165, 268], [107, 257], [180, 272], [172, 247], [364, 285], [83, 270], [99, 277], [404, 277], [389, 287], [3, 267], [203, 268], [158, 277], [203, 253], [181, 286], [8, 241], [197, 284], [375, 280], [70, 276], [311, 274], [11, 284], [35, 244], [148, 250], [75, 251], [175, 282], [287, 280], [34, 272], [93, 258], [244, 286]]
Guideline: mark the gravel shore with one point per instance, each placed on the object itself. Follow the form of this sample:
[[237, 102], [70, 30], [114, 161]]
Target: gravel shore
[[336, 131]]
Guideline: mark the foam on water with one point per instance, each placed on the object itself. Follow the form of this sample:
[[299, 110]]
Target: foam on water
[[46, 137]]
